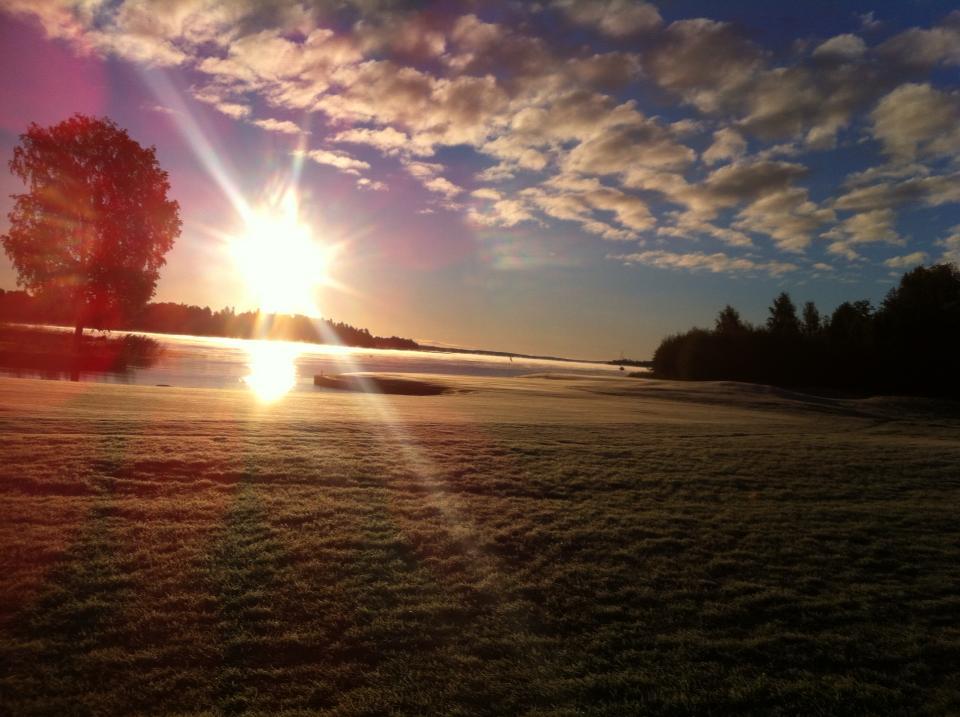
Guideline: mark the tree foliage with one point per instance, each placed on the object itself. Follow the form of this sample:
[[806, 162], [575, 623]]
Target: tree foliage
[[909, 345], [95, 223], [729, 322], [170, 318], [811, 322], [783, 316]]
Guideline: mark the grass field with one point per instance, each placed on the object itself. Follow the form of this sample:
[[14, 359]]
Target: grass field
[[537, 546]]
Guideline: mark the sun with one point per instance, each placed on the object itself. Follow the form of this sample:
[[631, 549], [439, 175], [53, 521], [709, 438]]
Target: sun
[[282, 264]]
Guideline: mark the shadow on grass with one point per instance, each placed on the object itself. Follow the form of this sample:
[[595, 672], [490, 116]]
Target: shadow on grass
[[58, 660], [246, 568]]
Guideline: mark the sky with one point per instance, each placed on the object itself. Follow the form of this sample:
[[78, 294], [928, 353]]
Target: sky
[[567, 178]]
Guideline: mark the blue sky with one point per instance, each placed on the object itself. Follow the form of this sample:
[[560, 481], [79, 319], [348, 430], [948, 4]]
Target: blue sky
[[566, 177]]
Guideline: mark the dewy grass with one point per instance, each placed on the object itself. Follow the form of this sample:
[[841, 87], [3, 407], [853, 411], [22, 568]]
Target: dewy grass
[[553, 551]]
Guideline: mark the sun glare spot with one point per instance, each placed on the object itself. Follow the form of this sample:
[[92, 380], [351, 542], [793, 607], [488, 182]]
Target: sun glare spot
[[273, 369], [282, 264]]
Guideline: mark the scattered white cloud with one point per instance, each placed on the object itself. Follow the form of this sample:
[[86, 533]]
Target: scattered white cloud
[[930, 190], [715, 263], [486, 193], [233, 109], [916, 121], [617, 18], [842, 47], [951, 246], [388, 140], [281, 126], [336, 158], [728, 144], [877, 225], [442, 185], [158, 108], [907, 261], [371, 184], [869, 21], [923, 49], [550, 122], [502, 213]]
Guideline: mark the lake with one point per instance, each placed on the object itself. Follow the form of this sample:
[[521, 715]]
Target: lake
[[280, 366]]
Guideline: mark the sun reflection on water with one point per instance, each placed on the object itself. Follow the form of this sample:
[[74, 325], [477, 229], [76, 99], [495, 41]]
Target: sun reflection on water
[[273, 369]]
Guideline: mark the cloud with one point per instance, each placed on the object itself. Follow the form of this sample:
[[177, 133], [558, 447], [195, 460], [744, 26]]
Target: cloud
[[428, 175], [642, 143], [617, 18], [703, 61], [916, 120], [503, 213], [787, 216], [907, 261], [951, 246], [609, 70], [748, 180], [219, 98], [877, 225], [868, 21], [233, 109], [727, 144], [579, 199], [922, 49], [423, 170], [371, 184], [689, 225], [841, 47], [567, 131], [336, 158], [282, 126], [443, 186], [388, 140], [932, 190], [408, 35], [716, 263], [160, 109]]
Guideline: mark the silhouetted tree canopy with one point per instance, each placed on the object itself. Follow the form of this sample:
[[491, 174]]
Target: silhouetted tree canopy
[[92, 230], [851, 323], [171, 318], [783, 316], [729, 322], [812, 322], [911, 344]]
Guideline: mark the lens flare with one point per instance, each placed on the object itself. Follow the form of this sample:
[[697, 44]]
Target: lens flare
[[273, 369], [282, 264]]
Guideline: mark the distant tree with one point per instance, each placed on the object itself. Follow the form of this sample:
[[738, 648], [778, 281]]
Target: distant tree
[[783, 316], [851, 323], [729, 322], [93, 228], [811, 319], [927, 295], [910, 345], [918, 329]]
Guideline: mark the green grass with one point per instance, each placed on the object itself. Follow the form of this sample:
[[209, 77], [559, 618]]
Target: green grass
[[485, 553]]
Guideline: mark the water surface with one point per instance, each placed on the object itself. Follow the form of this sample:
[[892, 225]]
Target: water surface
[[214, 362]]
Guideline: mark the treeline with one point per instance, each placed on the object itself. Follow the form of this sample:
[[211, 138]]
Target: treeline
[[910, 344], [172, 318]]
